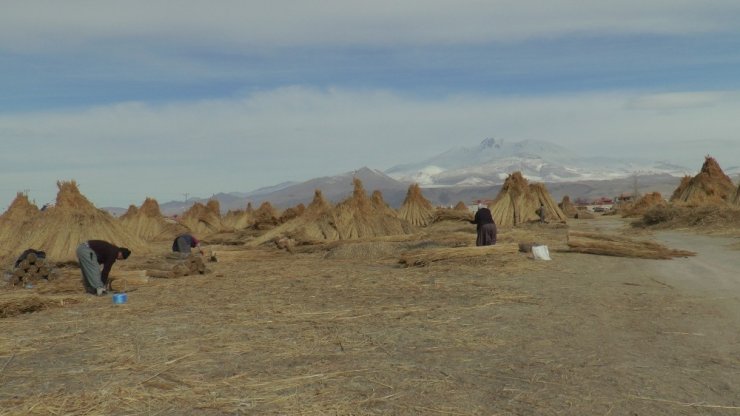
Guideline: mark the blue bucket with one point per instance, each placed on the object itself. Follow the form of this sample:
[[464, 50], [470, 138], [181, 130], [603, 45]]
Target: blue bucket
[[120, 298]]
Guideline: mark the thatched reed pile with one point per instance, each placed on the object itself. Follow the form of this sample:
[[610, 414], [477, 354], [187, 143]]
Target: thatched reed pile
[[613, 245], [291, 213], [148, 223], [710, 185], [415, 208], [736, 197], [60, 229], [461, 206], [203, 219], [643, 204], [15, 220], [444, 214], [519, 202], [357, 217], [567, 207], [266, 217], [239, 219]]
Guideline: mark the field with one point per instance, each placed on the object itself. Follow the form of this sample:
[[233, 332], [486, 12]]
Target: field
[[344, 329]]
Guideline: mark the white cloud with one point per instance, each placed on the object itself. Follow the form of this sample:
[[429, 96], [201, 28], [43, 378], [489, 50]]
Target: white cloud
[[68, 25], [122, 153]]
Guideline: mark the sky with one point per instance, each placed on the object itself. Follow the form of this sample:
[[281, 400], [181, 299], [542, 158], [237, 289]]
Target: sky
[[167, 99]]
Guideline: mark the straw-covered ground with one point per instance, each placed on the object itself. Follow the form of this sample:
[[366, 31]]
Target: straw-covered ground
[[344, 329]]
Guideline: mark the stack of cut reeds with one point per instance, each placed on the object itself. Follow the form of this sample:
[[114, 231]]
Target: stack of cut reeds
[[190, 266], [31, 269]]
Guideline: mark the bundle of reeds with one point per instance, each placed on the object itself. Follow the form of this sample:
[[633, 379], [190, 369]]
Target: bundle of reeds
[[30, 270], [619, 246], [710, 185], [15, 222], [192, 265], [291, 213], [427, 256], [122, 280], [415, 208]]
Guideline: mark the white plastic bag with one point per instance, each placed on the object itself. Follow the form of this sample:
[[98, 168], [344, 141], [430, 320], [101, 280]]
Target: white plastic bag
[[541, 253]]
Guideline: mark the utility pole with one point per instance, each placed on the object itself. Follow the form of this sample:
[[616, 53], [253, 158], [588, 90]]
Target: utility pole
[[635, 190], [186, 195]]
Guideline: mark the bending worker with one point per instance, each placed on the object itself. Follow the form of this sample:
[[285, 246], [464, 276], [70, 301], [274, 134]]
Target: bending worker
[[91, 254], [184, 243], [485, 226]]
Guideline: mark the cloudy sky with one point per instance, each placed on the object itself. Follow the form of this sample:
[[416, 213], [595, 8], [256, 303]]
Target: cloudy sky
[[160, 98]]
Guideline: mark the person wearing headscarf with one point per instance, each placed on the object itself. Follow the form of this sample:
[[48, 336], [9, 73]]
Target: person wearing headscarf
[[485, 226], [184, 243]]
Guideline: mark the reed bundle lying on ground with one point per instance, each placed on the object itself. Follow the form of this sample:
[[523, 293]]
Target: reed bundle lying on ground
[[427, 256], [618, 246], [192, 265]]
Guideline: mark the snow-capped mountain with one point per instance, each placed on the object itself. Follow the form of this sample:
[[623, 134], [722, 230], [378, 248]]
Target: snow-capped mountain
[[493, 160]]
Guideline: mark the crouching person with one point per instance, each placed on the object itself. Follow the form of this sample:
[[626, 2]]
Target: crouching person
[[184, 243], [93, 253]]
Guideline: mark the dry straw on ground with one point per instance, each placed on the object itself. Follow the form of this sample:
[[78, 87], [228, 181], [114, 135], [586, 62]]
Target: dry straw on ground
[[149, 224], [519, 202], [60, 229], [613, 245], [415, 208], [710, 185]]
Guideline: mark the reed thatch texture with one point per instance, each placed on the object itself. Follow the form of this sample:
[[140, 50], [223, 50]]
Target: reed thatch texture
[[149, 224], [710, 185], [60, 229], [736, 197], [14, 221], [415, 208], [567, 207], [461, 206], [618, 246], [519, 202], [203, 219]]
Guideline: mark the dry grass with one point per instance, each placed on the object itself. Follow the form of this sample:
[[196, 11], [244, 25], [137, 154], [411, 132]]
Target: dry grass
[[710, 185], [519, 202], [619, 246], [424, 257], [149, 224]]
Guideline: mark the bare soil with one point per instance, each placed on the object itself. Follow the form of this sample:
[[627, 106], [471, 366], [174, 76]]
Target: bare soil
[[314, 334]]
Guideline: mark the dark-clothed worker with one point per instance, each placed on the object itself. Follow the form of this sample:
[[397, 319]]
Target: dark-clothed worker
[[184, 243], [91, 255], [485, 226]]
